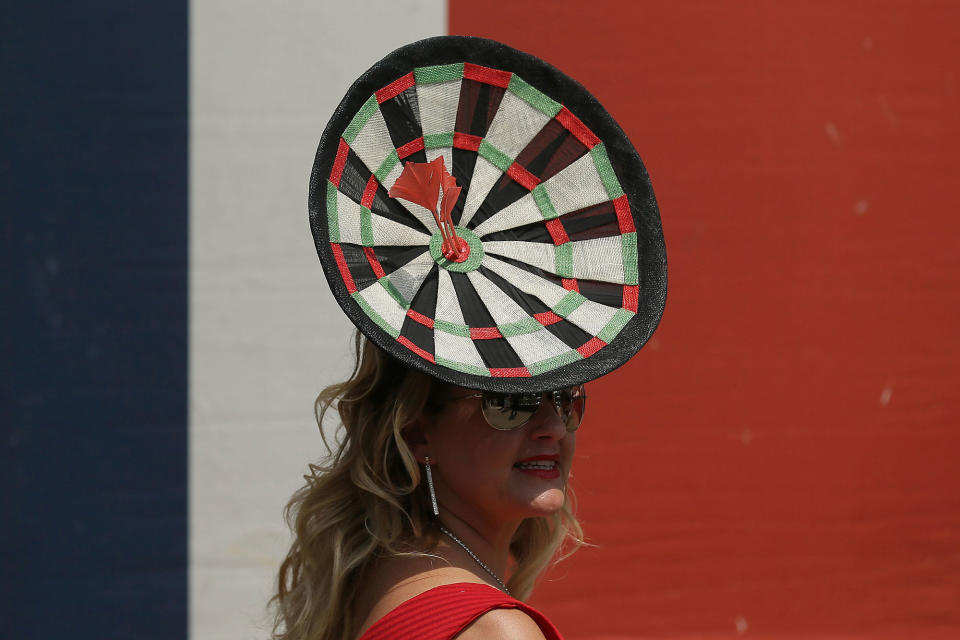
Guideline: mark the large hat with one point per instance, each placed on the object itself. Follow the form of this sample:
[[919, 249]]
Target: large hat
[[543, 266]]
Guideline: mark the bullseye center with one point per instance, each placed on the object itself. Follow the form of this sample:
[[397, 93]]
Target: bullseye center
[[469, 252], [462, 252]]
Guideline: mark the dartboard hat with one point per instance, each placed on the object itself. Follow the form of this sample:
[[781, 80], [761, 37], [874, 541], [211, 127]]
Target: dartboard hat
[[533, 260]]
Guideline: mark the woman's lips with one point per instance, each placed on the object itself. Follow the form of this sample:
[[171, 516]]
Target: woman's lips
[[542, 466]]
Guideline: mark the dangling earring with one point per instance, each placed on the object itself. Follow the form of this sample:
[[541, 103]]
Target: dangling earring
[[433, 494]]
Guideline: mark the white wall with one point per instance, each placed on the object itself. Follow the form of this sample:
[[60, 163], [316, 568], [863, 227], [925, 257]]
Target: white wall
[[265, 333]]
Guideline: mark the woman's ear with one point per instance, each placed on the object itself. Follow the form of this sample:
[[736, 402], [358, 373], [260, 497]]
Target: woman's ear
[[416, 439]]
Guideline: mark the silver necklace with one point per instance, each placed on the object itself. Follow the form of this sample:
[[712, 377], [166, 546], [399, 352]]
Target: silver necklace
[[463, 545]]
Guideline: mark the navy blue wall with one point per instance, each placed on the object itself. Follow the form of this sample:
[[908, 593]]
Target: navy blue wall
[[94, 320]]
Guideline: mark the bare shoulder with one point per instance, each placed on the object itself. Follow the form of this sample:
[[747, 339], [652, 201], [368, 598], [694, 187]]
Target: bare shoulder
[[396, 580], [503, 624]]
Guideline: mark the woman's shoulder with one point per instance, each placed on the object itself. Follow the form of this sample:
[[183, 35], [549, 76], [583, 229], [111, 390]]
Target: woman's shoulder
[[467, 610], [406, 583], [503, 624]]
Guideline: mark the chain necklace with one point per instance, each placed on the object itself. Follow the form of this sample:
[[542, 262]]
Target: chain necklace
[[463, 545]]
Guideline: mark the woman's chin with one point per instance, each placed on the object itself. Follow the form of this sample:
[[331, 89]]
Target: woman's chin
[[547, 502]]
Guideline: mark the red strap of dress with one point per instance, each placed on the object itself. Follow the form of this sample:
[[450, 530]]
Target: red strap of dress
[[443, 612]]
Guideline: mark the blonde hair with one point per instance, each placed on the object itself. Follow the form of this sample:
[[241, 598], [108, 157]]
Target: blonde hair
[[363, 503]]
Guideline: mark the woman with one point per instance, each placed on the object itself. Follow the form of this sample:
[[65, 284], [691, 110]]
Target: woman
[[493, 234], [367, 540]]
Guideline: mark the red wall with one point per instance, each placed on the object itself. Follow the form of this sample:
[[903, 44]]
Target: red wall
[[782, 458]]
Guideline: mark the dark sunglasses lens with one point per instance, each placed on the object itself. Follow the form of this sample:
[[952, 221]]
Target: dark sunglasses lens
[[570, 405], [507, 411]]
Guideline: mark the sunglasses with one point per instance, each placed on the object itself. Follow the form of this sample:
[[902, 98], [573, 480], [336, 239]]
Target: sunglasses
[[509, 411]]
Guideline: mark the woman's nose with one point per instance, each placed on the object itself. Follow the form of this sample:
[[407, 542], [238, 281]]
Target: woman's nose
[[547, 423]]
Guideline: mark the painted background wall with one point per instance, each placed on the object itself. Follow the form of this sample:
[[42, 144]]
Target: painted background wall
[[780, 461], [266, 333]]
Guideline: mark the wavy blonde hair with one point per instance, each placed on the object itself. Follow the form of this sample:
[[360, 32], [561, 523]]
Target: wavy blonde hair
[[363, 503]]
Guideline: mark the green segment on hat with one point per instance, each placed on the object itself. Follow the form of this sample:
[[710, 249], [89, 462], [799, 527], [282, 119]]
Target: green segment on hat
[[540, 197], [629, 243], [394, 292], [605, 169], [533, 97], [496, 157], [453, 328], [360, 119], [438, 140], [463, 367], [366, 227], [520, 327], [387, 166], [568, 304], [373, 315], [555, 362], [616, 323], [438, 73], [333, 223], [563, 254]]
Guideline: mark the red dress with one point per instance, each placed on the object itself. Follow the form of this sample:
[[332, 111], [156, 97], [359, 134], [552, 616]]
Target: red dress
[[443, 612]]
